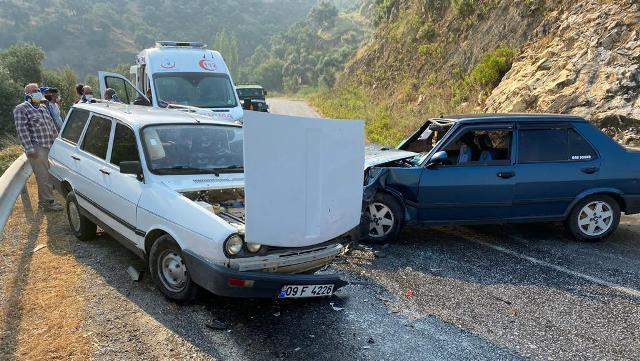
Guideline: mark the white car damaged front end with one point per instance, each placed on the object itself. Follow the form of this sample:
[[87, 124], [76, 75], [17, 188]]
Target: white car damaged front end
[[284, 216]]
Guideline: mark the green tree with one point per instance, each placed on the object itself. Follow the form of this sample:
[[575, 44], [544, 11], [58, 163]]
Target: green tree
[[10, 93], [227, 45], [270, 74], [324, 15], [23, 62], [65, 80]]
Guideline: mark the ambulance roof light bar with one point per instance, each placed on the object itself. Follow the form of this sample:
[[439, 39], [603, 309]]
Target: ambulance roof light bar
[[180, 44]]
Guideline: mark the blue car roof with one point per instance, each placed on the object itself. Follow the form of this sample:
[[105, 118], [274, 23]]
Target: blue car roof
[[484, 118]]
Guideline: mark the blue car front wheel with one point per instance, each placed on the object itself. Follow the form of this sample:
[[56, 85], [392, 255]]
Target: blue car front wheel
[[383, 218]]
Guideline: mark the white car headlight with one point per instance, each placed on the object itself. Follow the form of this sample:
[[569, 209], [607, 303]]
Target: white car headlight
[[233, 245], [254, 247]]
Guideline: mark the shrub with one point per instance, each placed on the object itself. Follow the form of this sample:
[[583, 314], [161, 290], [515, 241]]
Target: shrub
[[493, 67], [464, 8], [8, 155], [427, 32], [431, 50]]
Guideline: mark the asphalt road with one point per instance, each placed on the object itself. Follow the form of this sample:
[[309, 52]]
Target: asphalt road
[[449, 293], [291, 107]]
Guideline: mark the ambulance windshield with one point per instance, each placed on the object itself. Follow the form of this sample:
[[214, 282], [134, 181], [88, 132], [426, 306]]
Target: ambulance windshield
[[203, 90]]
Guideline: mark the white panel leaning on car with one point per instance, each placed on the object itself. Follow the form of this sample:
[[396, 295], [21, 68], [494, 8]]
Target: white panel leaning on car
[[307, 187], [170, 185]]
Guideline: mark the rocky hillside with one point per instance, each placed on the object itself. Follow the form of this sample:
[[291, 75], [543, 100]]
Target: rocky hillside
[[584, 59], [429, 57]]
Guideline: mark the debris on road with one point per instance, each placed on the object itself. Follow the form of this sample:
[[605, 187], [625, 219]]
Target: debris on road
[[379, 254], [217, 325], [134, 273], [39, 247], [335, 308], [371, 340]]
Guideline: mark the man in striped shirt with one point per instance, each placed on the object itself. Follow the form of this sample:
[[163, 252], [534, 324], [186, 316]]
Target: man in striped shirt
[[37, 131]]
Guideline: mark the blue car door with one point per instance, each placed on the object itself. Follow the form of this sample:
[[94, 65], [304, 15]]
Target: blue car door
[[555, 164], [477, 181]]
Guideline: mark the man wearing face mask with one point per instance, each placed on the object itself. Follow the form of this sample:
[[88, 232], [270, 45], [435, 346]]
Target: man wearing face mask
[[37, 131], [51, 103], [87, 95]]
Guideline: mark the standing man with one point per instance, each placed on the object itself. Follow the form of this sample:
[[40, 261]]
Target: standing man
[[87, 95], [36, 131], [79, 88], [51, 95]]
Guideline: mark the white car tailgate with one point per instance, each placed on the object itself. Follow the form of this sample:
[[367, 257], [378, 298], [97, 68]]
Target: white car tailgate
[[303, 178]]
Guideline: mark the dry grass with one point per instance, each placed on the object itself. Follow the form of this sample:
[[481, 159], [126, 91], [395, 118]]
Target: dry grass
[[9, 152], [42, 311]]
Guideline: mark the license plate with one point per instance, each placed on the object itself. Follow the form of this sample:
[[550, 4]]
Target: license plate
[[299, 291]]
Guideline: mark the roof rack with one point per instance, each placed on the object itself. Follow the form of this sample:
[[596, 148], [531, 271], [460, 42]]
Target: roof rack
[[180, 44], [110, 102]]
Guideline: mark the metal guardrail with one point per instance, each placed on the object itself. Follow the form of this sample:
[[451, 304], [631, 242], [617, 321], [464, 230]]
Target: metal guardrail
[[12, 184]]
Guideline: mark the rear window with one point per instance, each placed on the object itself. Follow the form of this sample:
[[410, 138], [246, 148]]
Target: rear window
[[74, 126], [96, 139], [553, 145]]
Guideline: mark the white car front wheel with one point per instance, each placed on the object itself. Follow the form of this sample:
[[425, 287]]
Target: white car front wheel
[[169, 272]]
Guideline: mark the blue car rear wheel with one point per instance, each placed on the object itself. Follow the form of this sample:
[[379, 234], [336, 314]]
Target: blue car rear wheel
[[594, 218]]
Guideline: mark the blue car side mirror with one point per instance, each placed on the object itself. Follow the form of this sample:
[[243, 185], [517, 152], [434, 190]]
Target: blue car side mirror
[[439, 158]]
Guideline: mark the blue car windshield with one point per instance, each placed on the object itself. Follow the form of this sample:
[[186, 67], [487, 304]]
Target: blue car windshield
[[425, 142]]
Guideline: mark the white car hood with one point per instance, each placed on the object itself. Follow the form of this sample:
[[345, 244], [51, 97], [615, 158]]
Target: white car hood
[[303, 178], [374, 156]]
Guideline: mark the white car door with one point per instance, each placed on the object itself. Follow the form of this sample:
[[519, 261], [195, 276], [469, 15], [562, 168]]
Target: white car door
[[125, 91], [91, 162], [303, 178], [122, 191]]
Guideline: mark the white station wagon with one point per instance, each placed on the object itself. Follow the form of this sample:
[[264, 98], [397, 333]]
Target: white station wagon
[[248, 210]]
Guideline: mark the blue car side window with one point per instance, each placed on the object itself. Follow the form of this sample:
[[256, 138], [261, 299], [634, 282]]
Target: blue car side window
[[553, 145], [480, 146]]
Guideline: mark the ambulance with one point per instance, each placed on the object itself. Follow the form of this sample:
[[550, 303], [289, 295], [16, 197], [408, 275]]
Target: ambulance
[[181, 75]]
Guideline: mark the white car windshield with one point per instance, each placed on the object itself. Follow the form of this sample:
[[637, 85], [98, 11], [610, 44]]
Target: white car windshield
[[193, 148], [203, 90]]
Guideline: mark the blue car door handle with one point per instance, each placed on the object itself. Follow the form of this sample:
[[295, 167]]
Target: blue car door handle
[[506, 175], [589, 170]]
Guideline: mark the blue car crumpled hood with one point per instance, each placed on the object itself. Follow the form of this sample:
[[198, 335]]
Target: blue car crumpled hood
[[373, 155]]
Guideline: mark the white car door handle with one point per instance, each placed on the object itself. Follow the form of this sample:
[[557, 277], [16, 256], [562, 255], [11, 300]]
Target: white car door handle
[[104, 171], [75, 157]]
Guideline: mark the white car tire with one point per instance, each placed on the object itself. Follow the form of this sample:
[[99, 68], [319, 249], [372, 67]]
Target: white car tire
[[169, 272]]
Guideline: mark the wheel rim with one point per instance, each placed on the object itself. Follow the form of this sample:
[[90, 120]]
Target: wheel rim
[[381, 220], [74, 216], [172, 271], [595, 218]]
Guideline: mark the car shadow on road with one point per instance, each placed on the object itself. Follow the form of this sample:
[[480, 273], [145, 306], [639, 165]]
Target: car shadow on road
[[218, 326]]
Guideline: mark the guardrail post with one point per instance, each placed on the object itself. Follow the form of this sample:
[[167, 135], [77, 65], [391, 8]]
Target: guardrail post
[[26, 201]]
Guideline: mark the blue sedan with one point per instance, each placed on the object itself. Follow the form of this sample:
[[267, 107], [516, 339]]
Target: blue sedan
[[509, 168]]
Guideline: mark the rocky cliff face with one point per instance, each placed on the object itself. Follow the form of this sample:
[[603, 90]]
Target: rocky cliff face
[[584, 59]]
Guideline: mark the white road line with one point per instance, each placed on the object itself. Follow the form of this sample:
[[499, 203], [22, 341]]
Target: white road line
[[596, 280]]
